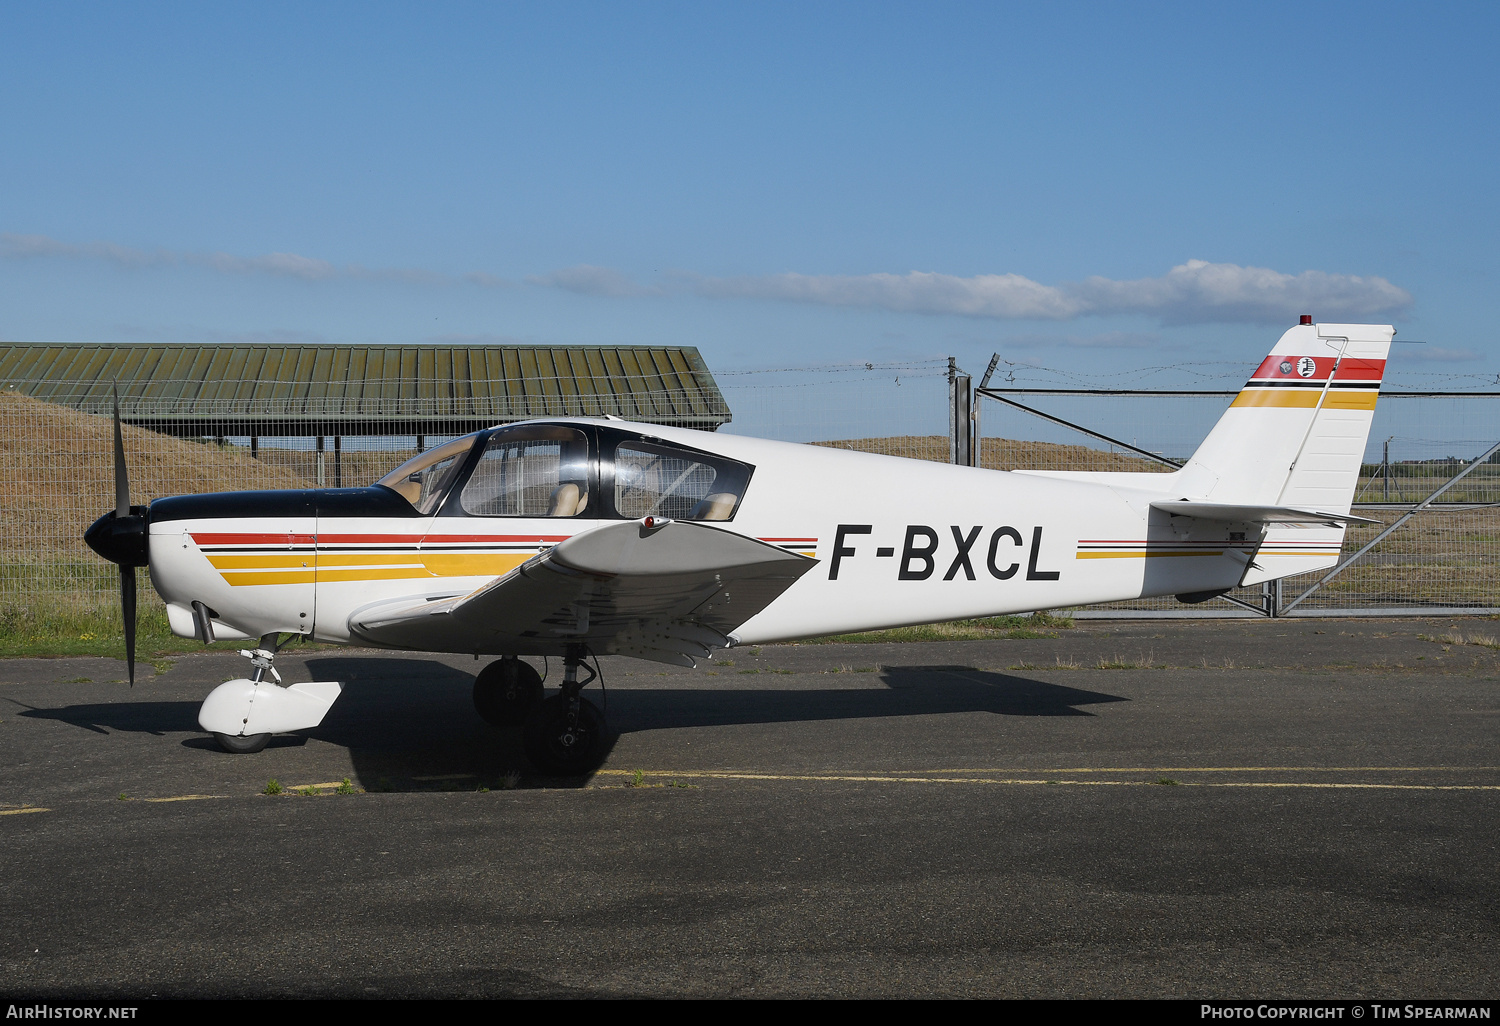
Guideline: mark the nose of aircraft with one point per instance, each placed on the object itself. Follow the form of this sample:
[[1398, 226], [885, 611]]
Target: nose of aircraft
[[121, 540]]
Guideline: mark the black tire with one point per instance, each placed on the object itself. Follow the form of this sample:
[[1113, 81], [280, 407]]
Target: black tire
[[560, 745], [506, 691], [242, 745]]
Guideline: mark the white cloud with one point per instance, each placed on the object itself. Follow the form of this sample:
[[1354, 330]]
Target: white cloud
[[488, 281], [588, 280], [1008, 296], [1190, 293], [1198, 292], [21, 246], [282, 265], [288, 265]]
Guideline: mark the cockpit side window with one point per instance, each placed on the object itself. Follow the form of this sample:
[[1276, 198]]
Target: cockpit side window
[[530, 472], [653, 479], [424, 479]]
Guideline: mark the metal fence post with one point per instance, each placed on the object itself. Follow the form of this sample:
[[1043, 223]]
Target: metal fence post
[[960, 408]]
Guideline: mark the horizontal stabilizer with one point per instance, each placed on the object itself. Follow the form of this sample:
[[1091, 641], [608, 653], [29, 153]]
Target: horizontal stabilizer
[[1257, 514]]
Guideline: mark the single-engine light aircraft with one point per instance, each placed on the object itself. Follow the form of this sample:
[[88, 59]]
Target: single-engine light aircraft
[[580, 537]]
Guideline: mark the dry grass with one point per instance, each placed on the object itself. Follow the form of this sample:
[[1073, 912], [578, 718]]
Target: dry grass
[[58, 465], [1456, 637]]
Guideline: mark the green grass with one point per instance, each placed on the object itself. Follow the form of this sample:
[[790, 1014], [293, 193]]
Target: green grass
[[87, 622], [1037, 625]]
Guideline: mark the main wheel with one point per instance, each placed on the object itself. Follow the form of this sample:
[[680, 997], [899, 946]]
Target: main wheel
[[242, 744], [506, 691], [563, 744]]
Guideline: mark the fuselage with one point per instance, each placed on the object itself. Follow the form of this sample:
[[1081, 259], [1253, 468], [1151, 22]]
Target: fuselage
[[898, 541]]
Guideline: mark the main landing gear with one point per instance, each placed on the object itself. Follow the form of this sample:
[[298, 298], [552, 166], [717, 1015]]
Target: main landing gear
[[564, 735], [506, 692]]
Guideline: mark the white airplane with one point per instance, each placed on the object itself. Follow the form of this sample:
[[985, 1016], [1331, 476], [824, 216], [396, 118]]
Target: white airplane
[[581, 537]]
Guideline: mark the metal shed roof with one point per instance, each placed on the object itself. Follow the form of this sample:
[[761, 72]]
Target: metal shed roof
[[185, 389]]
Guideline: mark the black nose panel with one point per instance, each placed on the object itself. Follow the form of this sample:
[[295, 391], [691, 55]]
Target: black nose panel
[[120, 540]]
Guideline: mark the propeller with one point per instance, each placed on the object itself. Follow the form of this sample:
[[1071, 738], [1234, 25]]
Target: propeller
[[122, 510], [120, 537]]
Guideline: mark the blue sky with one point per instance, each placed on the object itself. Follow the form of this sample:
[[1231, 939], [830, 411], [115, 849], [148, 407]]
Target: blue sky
[[1095, 187]]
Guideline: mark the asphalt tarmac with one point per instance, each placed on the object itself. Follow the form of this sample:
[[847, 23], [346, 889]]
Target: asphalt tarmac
[[1204, 809]]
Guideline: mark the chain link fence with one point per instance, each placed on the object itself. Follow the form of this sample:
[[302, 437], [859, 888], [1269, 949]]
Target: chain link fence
[[58, 466], [1444, 557]]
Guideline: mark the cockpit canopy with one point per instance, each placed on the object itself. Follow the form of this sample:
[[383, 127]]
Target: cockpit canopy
[[564, 470]]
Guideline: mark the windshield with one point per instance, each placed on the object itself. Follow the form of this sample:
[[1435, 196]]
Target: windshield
[[424, 479]]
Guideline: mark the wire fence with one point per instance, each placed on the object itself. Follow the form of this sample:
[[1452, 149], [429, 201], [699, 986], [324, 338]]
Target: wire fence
[[1442, 558], [58, 468]]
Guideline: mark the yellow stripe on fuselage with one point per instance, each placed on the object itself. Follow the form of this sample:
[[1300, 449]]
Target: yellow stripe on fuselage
[[1143, 554], [293, 568], [236, 580]]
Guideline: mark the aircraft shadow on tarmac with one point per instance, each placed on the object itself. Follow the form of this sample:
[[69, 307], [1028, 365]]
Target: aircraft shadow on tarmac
[[411, 722]]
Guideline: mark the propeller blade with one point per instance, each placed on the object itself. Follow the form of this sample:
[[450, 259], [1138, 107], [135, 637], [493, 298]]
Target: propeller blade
[[127, 613], [122, 476]]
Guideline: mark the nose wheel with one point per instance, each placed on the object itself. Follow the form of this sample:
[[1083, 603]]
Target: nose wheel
[[506, 692], [565, 735]]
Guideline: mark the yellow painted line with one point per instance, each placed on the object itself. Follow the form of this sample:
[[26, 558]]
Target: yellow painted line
[[1014, 782], [1233, 769], [288, 788], [186, 798], [21, 812]]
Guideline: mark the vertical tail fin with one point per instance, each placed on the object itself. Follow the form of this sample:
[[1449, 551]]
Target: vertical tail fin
[[1295, 436]]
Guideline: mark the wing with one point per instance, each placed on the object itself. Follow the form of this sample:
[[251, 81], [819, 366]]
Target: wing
[[669, 593]]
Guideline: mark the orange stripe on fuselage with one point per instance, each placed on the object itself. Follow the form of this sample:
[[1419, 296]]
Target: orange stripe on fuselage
[[1306, 398]]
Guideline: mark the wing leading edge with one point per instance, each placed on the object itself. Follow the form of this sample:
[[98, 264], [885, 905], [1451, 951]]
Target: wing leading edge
[[668, 593]]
